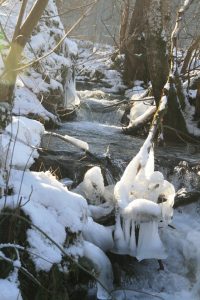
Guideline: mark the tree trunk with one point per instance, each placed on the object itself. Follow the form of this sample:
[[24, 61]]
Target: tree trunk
[[147, 25], [135, 53], [174, 119], [124, 25], [176, 97], [156, 47], [20, 38]]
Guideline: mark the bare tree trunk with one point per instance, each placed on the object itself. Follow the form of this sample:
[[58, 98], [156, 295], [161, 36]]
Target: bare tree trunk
[[124, 25], [20, 38], [135, 53], [156, 47]]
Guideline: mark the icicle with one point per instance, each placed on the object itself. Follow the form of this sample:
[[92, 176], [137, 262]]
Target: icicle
[[149, 243], [126, 229], [71, 99], [120, 244], [132, 242]]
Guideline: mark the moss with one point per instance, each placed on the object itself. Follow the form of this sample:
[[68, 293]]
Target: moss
[[54, 284], [13, 229]]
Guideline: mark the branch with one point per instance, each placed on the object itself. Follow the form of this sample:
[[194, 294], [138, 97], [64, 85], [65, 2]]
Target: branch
[[31, 20], [60, 42], [188, 56], [177, 29], [68, 11], [20, 19], [73, 141]]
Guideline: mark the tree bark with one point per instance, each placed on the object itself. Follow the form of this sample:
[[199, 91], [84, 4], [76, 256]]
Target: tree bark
[[20, 38], [174, 118], [156, 47], [124, 25], [135, 53]]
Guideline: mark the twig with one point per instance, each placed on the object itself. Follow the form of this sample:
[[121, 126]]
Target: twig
[[22, 179], [179, 132], [68, 11], [61, 40], [137, 291]]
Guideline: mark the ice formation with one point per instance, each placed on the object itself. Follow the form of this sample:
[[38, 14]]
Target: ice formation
[[103, 268], [98, 234], [70, 96], [92, 187], [143, 199]]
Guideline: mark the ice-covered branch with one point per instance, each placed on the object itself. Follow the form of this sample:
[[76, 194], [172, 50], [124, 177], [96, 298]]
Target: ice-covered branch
[[71, 140]]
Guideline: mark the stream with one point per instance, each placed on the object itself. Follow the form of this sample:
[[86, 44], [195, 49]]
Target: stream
[[100, 127], [98, 123]]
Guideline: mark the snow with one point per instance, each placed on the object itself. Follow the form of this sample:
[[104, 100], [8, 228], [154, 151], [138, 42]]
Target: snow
[[21, 136], [71, 99], [9, 290], [72, 47], [103, 268], [81, 144], [99, 211], [51, 211], [136, 92], [54, 210], [95, 65], [142, 108], [26, 102], [92, 187], [145, 114]]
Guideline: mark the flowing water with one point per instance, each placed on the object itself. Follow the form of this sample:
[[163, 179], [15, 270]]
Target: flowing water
[[100, 127], [98, 123]]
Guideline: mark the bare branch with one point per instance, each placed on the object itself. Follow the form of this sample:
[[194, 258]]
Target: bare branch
[[61, 40]]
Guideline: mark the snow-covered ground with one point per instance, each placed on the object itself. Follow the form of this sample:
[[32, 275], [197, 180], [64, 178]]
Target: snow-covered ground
[[50, 82], [96, 64]]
